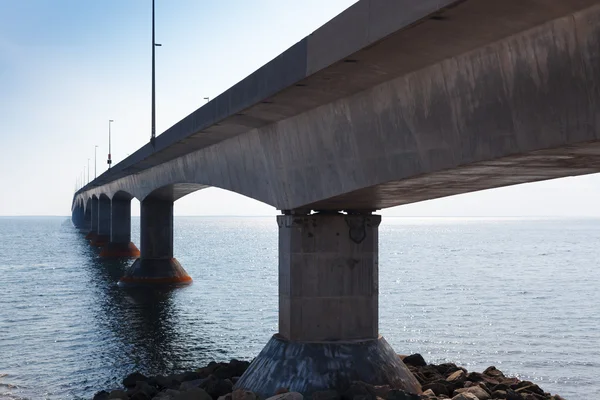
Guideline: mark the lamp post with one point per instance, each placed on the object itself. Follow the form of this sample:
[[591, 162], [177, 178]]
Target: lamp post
[[206, 98], [95, 148], [154, 44], [88, 170], [109, 161]]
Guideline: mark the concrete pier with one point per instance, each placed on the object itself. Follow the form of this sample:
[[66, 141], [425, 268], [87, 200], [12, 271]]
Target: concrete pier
[[328, 310], [156, 264], [93, 219], [120, 244], [103, 232]]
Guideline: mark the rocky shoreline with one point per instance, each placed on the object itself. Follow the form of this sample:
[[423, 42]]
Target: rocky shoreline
[[444, 381]]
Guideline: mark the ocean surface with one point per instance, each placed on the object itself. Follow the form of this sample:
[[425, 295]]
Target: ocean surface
[[520, 294]]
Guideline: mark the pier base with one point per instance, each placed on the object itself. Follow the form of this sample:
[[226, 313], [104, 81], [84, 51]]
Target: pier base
[[146, 271], [120, 250], [310, 367], [99, 240]]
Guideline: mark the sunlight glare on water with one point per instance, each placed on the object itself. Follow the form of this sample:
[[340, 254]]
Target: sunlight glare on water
[[520, 294]]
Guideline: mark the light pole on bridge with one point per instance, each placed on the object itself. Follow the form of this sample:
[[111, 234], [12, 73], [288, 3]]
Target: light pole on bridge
[[88, 170], [109, 161], [154, 44], [95, 148]]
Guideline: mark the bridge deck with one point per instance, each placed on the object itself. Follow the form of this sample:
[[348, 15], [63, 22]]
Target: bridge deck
[[371, 42]]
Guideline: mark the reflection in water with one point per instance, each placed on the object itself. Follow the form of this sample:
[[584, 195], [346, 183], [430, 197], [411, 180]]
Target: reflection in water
[[149, 328]]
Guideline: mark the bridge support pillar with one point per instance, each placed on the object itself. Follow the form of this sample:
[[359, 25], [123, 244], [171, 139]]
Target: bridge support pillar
[[103, 236], [328, 310], [93, 220], [120, 244], [156, 264]]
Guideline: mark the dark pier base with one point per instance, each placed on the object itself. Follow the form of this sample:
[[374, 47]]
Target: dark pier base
[[100, 240], [120, 250], [155, 271], [311, 367]]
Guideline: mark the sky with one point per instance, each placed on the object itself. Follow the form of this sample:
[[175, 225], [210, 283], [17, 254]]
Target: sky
[[68, 66]]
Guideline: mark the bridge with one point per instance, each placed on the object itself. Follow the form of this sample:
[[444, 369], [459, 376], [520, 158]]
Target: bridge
[[391, 102]]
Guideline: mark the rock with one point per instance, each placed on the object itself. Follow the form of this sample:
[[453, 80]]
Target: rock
[[225, 397], [217, 387], [359, 389], [415, 359], [168, 394], [396, 394], [438, 388], [118, 394], [131, 379], [189, 376], [382, 390], [192, 384], [465, 396], [144, 388], [446, 368], [166, 382], [326, 395], [281, 390], [101, 395], [429, 393], [241, 394], [287, 396], [532, 388], [193, 394], [457, 376], [494, 373], [478, 391]]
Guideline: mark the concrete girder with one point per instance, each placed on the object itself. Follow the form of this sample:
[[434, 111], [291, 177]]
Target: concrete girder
[[518, 110]]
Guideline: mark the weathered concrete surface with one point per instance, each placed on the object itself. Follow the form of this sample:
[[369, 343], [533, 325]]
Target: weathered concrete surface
[[328, 277], [103, 232], [120, 244], [494, 94], [310, 367], [93, 206], [156, 264]]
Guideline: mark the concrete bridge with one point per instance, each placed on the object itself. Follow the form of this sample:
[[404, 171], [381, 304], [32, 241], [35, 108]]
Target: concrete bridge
[[391, 102]]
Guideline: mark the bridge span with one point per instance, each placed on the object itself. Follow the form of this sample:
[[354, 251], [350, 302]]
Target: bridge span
[[389, 103]]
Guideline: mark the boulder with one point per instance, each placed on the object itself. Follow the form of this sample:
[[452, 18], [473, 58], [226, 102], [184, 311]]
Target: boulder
[[428, 393], [478, 391], [457, 377], [326, 395], [225, 397], [281, 390], [168, 394], [187, 385], [287, 396], [415, 359], [193, 394], [101, 395], [465, 396], [494, 373], [382, 390], [439, 388], [216, 387], [118, 394], [396, 394], [241, 394], [360, 389], [131, 379]]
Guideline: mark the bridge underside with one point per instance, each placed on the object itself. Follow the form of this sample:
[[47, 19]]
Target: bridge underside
[[532, 167]]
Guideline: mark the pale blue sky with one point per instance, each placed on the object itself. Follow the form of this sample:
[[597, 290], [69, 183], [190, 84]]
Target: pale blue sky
[[67, 66]]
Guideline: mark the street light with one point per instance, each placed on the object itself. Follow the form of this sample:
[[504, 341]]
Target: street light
[[154, 44], [95, 148], [206, 98], [88, 170], [109, 159]]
